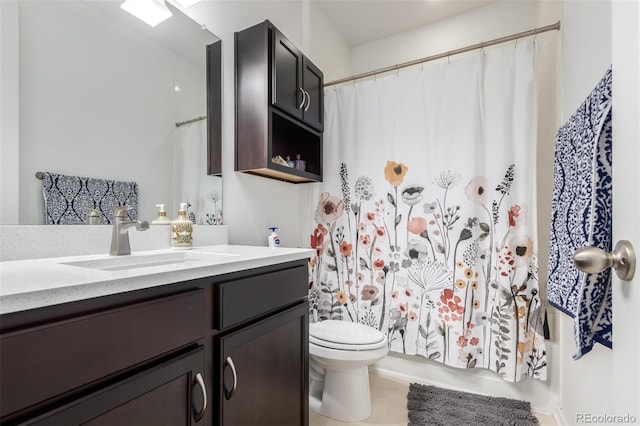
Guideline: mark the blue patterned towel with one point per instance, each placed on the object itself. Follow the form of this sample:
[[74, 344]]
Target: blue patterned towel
[[68, 198], [581, 216]]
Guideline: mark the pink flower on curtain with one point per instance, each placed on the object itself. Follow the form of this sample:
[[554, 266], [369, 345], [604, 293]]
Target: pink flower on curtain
[[378, 264], [369, 292], [517, 215], [476, 190], [417, 225], [345, 249], [330, 207], [317, 238]]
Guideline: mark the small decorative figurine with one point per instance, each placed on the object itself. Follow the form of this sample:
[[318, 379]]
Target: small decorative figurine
[[300, 164]]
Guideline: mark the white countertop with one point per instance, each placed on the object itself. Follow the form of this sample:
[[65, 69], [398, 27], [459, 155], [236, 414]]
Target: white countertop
[[35, 283]]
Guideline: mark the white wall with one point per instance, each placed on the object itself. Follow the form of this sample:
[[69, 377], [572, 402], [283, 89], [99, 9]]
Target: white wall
[[251, 203], [494, 20]]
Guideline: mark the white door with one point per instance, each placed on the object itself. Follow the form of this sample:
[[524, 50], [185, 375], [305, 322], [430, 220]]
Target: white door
[[626, 203]]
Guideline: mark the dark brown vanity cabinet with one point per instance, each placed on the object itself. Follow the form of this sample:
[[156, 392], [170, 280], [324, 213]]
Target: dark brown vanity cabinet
[[164, 355], [103, 361], [263, 371], [262, 351], [279, 106]]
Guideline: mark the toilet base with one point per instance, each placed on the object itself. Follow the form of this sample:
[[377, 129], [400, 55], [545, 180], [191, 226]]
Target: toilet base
[[346, 395]]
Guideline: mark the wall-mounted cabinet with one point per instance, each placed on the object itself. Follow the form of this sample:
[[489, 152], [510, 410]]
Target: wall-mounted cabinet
[[279, 106]]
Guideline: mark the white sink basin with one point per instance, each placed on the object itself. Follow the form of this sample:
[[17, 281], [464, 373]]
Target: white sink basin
[[122, 263]]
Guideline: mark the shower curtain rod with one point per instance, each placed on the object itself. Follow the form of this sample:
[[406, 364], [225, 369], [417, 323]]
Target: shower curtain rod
[[193, 120], [476, 46]]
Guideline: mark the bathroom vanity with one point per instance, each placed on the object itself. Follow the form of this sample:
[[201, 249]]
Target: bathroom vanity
[[214, 336]]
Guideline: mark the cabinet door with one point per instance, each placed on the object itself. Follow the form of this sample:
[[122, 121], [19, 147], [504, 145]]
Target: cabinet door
[[286, 84], [264, 372], [313, 85], [172, 393]]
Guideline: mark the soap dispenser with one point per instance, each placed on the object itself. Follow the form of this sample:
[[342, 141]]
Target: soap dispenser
[[93, 217], [181, 230], [162, 218], [274, 238]]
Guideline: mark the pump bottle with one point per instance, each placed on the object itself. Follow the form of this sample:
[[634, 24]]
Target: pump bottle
[[274, 238], [181, 230], [162, 218]]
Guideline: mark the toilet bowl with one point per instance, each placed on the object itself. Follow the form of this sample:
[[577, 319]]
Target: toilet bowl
[[339, 355]]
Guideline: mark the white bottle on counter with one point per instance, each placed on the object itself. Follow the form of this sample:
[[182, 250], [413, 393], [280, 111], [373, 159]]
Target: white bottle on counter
[[162, 218], [181, 230], [274, 238]]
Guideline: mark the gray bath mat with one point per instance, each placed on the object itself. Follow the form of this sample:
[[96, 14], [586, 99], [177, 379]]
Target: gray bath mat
[[433, 406]]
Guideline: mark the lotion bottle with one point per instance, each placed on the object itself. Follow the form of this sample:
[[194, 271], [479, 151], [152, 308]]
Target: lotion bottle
[[162, 218], [181, 230], [274, 239]]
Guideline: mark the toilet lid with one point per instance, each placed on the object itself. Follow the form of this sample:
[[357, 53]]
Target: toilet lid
[[340, 333]]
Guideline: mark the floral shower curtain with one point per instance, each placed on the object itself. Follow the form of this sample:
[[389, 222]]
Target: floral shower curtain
[[425, 225]]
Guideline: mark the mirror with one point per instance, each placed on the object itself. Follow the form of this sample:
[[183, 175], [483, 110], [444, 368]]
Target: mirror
[[103, 95]]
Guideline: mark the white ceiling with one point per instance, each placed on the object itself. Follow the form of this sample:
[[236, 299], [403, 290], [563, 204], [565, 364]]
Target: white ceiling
[[362, 21]]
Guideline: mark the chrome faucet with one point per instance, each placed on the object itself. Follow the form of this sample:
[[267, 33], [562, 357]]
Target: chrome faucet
[[120, 236]]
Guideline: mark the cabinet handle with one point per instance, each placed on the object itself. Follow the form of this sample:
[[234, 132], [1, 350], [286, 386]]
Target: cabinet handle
[[304, 97], [229, 393], [198, 416], [308, 101]]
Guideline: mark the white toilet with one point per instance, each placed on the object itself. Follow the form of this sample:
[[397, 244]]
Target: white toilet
[[339, 355]]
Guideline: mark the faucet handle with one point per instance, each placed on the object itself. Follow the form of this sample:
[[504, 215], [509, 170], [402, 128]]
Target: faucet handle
[[121, 211]]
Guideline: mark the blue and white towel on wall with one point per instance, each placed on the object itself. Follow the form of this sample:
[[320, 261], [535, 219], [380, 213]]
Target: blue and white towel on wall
[[68, 198], [581, 216]]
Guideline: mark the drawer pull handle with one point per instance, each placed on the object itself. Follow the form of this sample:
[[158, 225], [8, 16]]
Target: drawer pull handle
[[203, 388], [229, 393]]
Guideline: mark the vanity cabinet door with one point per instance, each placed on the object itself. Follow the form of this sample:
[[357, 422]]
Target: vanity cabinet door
[[172, 393], [263, 370]]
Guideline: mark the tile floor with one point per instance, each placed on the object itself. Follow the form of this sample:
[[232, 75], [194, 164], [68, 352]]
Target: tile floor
[[389, 401]]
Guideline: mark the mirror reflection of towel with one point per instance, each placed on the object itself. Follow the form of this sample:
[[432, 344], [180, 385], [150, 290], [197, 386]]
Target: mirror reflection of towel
[[67, 199], [582, 216]]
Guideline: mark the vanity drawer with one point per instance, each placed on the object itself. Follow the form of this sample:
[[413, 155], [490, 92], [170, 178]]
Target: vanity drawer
[[243, 299], [42, 362]]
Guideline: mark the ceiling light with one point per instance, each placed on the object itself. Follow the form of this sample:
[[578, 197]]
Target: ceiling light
[[187, 3], [150, 11]]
